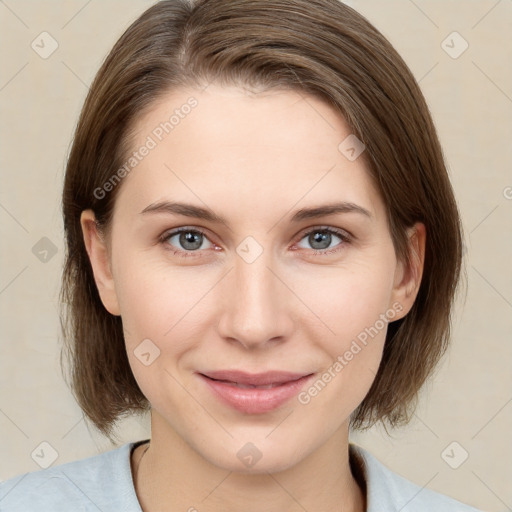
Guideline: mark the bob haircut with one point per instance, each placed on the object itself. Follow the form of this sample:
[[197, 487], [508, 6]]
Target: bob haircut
[[319, 47]]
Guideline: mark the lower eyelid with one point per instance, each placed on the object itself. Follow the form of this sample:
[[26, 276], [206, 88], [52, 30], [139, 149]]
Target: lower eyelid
[[344, 237], [164, 240]]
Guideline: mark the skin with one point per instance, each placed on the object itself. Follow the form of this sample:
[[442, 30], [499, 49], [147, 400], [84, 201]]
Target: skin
[[254, 158]]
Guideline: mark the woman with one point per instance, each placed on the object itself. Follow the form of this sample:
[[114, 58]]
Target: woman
[[263, 251]]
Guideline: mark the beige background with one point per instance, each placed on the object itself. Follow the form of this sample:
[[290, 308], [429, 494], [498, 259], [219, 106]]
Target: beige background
[[470, 399]]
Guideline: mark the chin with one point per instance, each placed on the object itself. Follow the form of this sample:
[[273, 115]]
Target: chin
[[248, 458]]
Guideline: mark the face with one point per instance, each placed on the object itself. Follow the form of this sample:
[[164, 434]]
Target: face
[[267, 288]]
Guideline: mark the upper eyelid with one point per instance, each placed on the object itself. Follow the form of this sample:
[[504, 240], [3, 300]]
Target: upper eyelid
[[340, 232], [175, 231]]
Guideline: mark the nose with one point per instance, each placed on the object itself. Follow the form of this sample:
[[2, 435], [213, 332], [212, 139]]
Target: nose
[[256, 308]]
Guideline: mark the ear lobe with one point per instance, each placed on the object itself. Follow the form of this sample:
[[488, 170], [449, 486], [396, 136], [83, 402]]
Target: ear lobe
[[408, 279], [97, 251]]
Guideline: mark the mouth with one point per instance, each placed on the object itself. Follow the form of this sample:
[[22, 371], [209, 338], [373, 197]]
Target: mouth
[[250, 386], [254, 393]]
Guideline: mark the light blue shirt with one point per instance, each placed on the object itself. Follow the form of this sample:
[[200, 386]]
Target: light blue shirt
[[104, 483]]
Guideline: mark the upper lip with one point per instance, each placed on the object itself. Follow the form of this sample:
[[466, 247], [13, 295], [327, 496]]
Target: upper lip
[[254, 379]]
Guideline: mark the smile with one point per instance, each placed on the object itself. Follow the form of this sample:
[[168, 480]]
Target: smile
[[254, 394]]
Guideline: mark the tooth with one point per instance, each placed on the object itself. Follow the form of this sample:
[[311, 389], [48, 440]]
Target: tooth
[[250, 386]]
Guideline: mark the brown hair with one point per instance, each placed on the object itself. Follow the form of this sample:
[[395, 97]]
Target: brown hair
[[319, 47]]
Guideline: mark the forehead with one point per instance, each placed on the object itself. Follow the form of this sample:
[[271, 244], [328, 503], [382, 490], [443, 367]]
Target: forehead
[[239, 151]]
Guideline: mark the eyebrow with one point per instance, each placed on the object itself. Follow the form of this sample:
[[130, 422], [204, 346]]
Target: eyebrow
[[198, 212]]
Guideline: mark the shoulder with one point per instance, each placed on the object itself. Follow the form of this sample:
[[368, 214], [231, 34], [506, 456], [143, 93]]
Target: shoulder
[[101, 482], [388, 491]]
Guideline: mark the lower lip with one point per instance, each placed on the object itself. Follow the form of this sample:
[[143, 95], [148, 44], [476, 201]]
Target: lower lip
[[256, 400]]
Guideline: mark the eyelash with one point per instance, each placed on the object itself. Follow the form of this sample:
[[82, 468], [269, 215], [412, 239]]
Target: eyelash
[[346, 239]]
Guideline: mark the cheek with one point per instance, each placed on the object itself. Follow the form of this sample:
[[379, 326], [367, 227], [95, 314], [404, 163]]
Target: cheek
[[152, 295], [348, 300], [148, 309], [155, 319], [163, 310], [351, 356], [353, 306]]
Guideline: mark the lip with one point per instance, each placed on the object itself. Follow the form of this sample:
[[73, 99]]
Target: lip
[[285, 385]]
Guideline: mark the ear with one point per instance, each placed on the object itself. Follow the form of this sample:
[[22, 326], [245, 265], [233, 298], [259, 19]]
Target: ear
[[408, 279], [99, 257]]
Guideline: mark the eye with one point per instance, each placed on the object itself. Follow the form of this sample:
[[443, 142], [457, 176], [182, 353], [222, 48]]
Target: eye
[[190, 240], [320, 240]]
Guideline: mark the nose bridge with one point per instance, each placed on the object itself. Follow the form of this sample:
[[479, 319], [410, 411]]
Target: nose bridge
[[255, 309], [255, 282]]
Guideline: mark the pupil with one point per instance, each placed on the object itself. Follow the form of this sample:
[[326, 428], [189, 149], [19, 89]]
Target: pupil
[[320, 237], [190, 238]]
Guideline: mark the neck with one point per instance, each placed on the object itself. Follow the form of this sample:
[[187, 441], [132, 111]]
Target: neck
[[170, 475]]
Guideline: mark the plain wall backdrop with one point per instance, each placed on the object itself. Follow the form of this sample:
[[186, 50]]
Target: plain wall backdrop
[[459, 441]]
